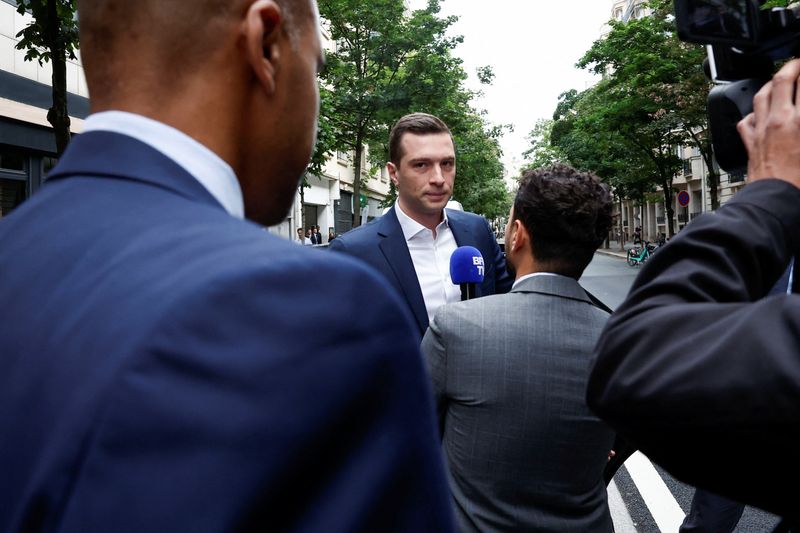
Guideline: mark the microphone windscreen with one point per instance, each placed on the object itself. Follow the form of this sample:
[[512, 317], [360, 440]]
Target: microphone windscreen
[[466, 265]]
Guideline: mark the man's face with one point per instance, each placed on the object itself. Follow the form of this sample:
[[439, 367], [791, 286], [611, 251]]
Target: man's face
[[424, 178]]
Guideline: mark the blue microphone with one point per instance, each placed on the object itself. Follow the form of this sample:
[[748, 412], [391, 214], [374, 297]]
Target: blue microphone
[[466, 269]]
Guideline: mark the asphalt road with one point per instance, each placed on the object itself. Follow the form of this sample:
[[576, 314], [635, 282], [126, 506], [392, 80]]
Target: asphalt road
[[644, 500]]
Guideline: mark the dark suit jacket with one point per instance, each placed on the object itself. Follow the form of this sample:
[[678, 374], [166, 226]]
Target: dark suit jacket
[[382, 245], [700, 370], [509, 374], [157, 374]]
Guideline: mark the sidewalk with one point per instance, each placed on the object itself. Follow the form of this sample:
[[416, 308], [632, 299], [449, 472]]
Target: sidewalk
[[613, 249]]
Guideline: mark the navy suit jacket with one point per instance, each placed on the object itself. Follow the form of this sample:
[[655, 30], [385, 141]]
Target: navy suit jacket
[[382, 245], [157, 373]]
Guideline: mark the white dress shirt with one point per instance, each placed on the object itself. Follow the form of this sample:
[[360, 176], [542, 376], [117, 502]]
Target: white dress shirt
[[431, 258], [205, 166]]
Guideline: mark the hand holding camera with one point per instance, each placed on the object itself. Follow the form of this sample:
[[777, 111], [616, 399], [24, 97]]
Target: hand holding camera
[[771, 131]]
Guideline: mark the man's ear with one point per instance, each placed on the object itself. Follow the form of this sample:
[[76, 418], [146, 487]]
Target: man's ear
[[262, 32], [392, 170], [520, 236]]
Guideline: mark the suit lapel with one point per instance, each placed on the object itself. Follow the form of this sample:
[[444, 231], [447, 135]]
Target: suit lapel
[[395, 250], [462, 232], [105, 154]]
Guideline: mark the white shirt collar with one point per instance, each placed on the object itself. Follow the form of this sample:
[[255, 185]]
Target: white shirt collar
[[527, 276], [205, 166], [411, 227]]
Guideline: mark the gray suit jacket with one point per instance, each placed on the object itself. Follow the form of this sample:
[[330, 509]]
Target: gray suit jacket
[[509, 372]]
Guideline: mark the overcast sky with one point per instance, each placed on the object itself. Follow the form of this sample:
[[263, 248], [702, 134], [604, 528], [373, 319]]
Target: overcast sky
[[532, 45]]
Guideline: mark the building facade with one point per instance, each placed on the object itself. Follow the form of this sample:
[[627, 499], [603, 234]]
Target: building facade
[[27, 144]]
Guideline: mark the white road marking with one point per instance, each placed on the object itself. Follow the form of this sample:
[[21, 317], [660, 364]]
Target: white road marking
[[662, 505], [623, 523]]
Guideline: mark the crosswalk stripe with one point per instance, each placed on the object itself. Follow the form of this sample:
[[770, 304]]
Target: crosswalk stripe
[[623, 523], [662, 505]]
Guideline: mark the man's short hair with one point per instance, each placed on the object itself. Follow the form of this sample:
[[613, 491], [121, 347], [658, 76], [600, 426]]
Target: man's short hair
[[184, 33], [567, 214], [418, 124]]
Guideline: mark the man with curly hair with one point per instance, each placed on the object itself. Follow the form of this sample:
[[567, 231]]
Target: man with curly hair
[[510, 371]]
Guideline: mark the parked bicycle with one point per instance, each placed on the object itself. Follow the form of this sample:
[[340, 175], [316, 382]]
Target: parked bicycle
[[638, 256]]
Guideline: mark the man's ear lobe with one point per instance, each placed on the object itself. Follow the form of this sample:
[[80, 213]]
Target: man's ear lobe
[[392, 170], [263, 26]]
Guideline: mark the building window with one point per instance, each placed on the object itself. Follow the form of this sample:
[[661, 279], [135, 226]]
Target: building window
[[736, 177], [12, 193], [47, 165], [12, 161]]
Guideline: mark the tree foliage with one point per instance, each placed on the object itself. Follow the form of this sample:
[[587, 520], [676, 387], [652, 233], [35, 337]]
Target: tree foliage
[[651, 100], [52, 36], [387, 63]]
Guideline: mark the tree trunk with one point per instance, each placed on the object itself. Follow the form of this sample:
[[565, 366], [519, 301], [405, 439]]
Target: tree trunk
[[58, 115], [712, 177], [357, 183], [668, 209]]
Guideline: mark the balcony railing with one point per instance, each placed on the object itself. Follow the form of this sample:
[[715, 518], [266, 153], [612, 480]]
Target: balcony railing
[[682, 217], [694, 215], [736, 177], [661, 220]]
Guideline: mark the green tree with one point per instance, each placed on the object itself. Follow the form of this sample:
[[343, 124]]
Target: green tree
[[542, 152], [52, 36], [642, 68]]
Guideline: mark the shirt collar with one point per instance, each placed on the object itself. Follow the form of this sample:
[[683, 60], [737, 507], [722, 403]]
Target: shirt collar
[[411, 228], [205, 166], [527, 276]]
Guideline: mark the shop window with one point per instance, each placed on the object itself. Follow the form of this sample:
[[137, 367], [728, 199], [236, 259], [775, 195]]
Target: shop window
[[12, 160], [12, 193], [47, 165]]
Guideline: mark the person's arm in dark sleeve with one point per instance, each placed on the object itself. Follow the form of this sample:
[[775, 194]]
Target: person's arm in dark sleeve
[[699, 370]]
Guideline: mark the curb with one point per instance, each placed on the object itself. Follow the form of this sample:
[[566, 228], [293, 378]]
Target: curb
[[611, 254]]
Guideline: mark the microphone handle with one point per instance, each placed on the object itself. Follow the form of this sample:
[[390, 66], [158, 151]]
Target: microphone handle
[[467, 291]]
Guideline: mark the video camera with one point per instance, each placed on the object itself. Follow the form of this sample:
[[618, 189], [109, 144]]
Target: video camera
[[744, 41]]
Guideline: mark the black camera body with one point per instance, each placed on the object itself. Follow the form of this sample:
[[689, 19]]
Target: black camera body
[[744, 42]]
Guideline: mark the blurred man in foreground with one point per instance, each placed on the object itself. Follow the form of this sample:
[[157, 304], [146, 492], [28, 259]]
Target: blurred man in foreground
[[697, 367], [509, 372], [154, 375]]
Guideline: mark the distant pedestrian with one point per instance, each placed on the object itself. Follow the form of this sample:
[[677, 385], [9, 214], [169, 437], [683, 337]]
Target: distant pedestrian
[[331, 235], [302, 239]]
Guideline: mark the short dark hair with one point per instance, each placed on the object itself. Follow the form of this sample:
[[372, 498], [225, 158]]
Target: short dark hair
[[567, 214], [418, 124]]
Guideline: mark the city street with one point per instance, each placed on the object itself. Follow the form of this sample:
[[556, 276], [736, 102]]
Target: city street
[[644, 498]]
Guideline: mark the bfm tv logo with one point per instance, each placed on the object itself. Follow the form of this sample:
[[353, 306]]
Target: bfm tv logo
[[478, 262]]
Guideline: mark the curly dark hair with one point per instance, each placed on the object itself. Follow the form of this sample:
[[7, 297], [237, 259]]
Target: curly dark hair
[[567, 214]]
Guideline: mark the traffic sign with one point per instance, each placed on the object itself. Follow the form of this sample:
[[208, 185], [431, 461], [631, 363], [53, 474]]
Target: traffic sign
[[684, 198]]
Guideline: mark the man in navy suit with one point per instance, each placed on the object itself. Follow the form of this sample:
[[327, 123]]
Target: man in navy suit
[[699, 367], [154, 374], [412, 243]]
